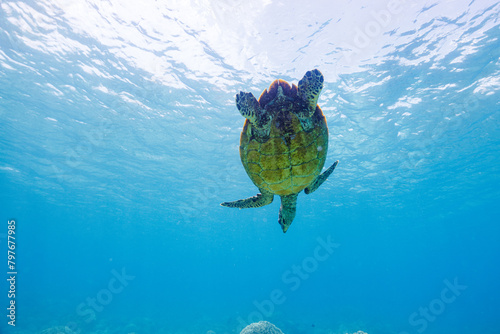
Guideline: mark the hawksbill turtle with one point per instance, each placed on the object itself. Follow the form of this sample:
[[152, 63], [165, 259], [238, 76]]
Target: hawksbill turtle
[[283, 144]]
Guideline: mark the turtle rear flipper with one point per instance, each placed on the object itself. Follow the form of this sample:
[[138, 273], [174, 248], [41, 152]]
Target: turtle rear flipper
[[256, 201], [320, 179], [309, 88], [287, 211], [250, 108]]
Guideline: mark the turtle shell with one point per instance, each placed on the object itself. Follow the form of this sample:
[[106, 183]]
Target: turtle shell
[[291, 158]]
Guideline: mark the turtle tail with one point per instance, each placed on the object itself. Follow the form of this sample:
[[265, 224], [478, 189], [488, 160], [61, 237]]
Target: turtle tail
[[287, 211]]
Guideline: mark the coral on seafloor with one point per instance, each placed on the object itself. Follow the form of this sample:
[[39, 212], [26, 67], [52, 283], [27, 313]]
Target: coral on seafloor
[[261, 327], [58, 330]]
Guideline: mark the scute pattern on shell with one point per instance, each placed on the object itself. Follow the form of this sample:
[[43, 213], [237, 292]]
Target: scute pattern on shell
[[291, 158]]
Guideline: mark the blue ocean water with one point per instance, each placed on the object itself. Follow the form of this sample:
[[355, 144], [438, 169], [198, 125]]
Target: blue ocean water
[[119, 139]]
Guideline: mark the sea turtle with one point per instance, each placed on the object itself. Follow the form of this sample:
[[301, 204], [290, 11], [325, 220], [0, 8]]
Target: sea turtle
[[283, 143]]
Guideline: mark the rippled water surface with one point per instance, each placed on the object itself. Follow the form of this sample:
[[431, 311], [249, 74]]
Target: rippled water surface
[[119, 138]]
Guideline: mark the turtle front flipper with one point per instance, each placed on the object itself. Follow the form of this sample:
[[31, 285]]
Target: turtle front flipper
[[287, 211], [256, 201], [320, 179], [309, 88], [250, 108]]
